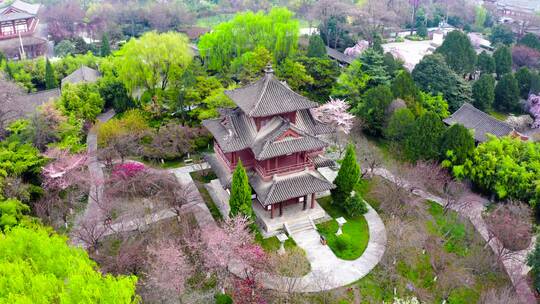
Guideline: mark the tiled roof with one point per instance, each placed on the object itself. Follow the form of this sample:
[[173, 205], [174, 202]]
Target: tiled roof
[[268, 96], [306, 122], [234, 131], [339, 56], [82, 74], [482, 123], [18, 103], [15, 16], [282, 188], [221, 170], [22, 7], [15, 43], [322, 162]]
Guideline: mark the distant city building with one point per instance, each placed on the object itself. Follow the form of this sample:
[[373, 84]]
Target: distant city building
[[19, 34]]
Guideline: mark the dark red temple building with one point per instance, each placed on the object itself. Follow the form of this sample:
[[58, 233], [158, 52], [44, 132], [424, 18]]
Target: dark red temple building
[[19, 34], [279, 142]]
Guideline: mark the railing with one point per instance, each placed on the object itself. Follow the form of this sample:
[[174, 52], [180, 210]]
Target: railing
[[246, 163], [291, 168], [29, 31]]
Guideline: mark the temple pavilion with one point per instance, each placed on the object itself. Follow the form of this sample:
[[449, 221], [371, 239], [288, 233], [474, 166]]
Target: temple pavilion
[[274, 134]]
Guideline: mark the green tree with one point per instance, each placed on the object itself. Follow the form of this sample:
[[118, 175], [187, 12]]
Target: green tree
[[507, 94], [249, 67], [424, 140], [485, 63], [240, 199], [484, 92], [105, 49], [457, 145], [64, 48], [373, 66], [81, 100], [12, 212], [316, 47], [524, 78], [403, 87], [400, 125], [392, 66], [348, 176], [503, 60], [433, 75], [372, 109], [530, 40], [458, 52], [324, 73], [295, 74], [276, 31], [533, 261], [501, 34], [50, 81], [42, 268], [115, 94], [434, 104], [352, 83], [153, 61]]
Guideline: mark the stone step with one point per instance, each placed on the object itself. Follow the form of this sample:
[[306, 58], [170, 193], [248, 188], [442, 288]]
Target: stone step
[[300, 226]]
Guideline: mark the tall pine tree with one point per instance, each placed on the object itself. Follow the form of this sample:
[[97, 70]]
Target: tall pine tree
[[240, 199], [347, 177], [425, 137], [503, 61], [105, 46], [50, 81], [507, 94], [458, 52], [484, 92]]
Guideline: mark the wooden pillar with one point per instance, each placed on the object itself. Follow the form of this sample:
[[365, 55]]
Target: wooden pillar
[[271, 211], [280, 208], [312, 200], [305, 203]]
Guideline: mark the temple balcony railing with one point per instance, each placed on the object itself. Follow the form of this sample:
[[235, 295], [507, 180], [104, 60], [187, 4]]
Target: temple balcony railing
[[268, 173], [28, 32]]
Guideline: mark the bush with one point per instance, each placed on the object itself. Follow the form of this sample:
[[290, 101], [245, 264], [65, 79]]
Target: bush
[[355, 205], [223, 299], [343, 242]]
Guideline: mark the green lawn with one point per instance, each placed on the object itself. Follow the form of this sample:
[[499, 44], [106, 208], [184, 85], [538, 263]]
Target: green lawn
[[498, 115], [353, 242], [200, 180], [271, 244], [450, 228]]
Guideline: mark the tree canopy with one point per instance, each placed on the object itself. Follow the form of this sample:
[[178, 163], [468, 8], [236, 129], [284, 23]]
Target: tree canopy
[[432, 74], [503, 60], [240, 199], [484, 92], [348, 176], [485, 63], [153, 61], [425, 137], [37, 266], [372, 109], [81, 100], [316, 47], [507, 94], [458, 52], [276, 31], [457, 144]]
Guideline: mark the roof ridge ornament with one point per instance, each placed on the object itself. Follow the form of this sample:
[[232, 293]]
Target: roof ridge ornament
[[268, 69]]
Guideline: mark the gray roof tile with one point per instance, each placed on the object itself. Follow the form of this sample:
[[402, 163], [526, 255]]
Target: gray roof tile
[[282, 188], [482, 123], [268, 96], [82, 74]]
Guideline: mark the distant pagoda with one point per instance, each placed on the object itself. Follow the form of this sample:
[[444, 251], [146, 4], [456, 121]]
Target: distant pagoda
[[275, 135]]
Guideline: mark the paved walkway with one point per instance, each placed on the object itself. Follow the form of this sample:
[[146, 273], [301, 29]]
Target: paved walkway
[[328, 271], [472, 206]]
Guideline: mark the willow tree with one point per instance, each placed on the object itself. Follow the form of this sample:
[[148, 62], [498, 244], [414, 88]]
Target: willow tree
[[153, 61], [276, 31]]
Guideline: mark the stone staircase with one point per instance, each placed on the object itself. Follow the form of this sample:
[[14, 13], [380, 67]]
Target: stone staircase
[[299, 226]]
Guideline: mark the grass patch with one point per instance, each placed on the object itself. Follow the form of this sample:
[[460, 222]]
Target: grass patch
[[421, 273], [353, 242], [271, 244], [498, 115], [450, 228], [214, 210]]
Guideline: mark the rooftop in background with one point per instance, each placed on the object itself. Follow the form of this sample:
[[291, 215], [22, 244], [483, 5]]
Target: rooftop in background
[[339, 56], [533, 5], [19, 103], [482, 123], [19, 7], [83, 74], [194, 32]]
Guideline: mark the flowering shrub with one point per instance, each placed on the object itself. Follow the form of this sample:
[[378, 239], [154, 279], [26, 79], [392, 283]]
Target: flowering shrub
[[127, 170], [534, 108], [335, 114]]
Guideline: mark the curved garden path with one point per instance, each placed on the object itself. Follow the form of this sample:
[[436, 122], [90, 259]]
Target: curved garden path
[[327, 270], [472, 206]]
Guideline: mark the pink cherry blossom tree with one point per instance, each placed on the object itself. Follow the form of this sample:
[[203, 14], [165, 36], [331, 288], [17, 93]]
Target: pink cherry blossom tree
[[64, 170], [169, 268], [534, 109], [335, 113]]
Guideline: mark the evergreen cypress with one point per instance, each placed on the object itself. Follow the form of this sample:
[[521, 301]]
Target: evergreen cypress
[[423, 142], [347, 177], [458, 52], [503, 61], [105, 46], [457, 144], [485, 63], [373, 66], [50, 81], [240, 199], [316, 47], [507, 94], [484, 92], [404, 87], [524, 79]]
